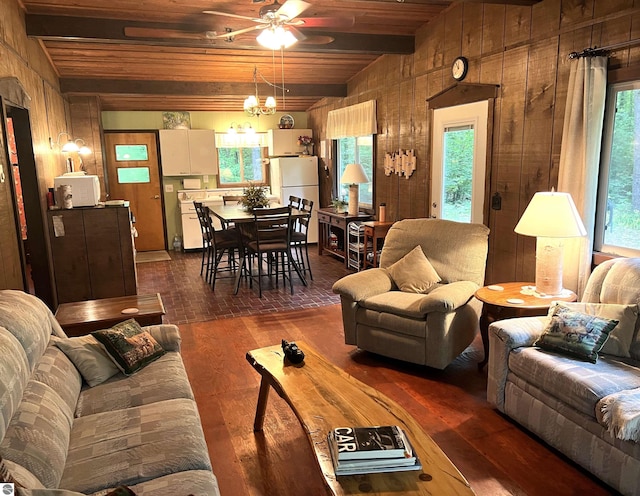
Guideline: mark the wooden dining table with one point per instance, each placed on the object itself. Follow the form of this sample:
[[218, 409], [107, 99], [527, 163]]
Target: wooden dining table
[[243, 219]]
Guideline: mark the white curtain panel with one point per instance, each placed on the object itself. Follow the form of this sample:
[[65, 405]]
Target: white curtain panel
[[355, 120], [580, 159]]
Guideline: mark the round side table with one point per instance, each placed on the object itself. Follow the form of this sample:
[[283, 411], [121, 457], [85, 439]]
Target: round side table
[[512, 299]]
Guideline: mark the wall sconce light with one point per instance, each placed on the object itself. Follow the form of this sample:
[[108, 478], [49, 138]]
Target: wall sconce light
[[71, 145]]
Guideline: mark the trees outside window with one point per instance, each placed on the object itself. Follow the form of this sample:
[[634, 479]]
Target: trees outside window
[[618, 219], [241, 165], [356, 150]]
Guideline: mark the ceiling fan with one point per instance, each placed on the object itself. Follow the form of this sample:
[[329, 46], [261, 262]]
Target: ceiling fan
[[281, 20]]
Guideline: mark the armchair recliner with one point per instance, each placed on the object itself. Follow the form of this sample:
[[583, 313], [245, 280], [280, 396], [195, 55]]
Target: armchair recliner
[[428, 329]]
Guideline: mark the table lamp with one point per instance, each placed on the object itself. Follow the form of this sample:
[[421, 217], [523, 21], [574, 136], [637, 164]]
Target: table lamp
[[550, 217], [353, 175]]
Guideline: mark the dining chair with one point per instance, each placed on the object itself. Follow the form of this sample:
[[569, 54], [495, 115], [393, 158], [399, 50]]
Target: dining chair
[[206, 238], [222, 242], [271, 238], [231, 199], [294, 201], [300, 235]]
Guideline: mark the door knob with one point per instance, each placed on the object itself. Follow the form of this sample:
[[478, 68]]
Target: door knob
[[156, 197]]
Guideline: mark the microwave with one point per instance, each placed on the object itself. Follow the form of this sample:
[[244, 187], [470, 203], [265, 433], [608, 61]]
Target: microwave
[[85, 190]]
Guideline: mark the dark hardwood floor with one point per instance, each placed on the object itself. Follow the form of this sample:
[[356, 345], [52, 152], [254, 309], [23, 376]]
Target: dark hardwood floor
[[494, 454]]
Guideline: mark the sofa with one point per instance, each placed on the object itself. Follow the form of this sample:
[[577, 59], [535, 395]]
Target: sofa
[[583, 409], [419, 305], [141, 431]]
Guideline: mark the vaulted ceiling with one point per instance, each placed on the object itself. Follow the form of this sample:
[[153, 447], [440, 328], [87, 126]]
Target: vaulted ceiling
[[163, 54]]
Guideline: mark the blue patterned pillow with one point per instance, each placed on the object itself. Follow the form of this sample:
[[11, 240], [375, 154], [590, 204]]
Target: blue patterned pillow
[[129, 346], [575, 333]]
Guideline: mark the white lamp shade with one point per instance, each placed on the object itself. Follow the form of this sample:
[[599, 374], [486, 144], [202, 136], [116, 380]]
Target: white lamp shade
[[551, 214], [354, 174], [270, 103], [275, 38], [70, 146]]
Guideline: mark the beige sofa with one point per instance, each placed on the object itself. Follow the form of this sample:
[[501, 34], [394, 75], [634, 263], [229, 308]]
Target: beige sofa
[[428, 329], [142, 431], [560, 398]]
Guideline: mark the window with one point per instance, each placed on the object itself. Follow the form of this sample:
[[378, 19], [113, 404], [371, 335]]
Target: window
[[241, 159], [618, 216], [360, 151]]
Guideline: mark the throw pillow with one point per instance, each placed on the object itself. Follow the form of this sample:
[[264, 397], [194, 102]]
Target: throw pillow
[[89, 357], [130, 347], [413, 273], [621, 337], [575, 333]]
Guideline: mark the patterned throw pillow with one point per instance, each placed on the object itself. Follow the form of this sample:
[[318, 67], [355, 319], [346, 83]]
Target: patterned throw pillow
[[575, 333], [6, 475], [129, 346], [413, 273]]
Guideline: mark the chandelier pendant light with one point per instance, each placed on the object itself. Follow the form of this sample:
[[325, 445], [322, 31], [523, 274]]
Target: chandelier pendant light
[[252, 103]]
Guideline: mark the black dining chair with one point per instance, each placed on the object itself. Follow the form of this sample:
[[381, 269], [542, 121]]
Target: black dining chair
[[300, 235], [270, 244], [294, 201], [216, 244]]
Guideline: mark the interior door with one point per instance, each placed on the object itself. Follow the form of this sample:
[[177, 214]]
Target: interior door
[[459, 162], [133, 174]]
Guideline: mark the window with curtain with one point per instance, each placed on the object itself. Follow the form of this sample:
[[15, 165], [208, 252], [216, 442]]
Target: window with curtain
[[358, 150], [353, 129], [241, 159], [618, 213]]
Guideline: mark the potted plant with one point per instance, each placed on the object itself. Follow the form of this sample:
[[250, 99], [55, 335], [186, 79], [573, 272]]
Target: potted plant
[[254, 196], [340, 206], [306, 142]]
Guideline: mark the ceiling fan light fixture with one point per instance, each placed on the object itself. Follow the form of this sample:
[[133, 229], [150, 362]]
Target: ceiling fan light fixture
[[276, 37]]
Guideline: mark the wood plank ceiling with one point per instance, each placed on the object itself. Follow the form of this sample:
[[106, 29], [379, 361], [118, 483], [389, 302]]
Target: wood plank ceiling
[[156, 54]]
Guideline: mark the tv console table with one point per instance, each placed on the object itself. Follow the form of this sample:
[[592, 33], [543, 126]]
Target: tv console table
[[330, 221]]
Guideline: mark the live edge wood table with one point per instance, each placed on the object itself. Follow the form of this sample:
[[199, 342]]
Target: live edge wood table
[[82, 317], [509, 300], [324, 397]]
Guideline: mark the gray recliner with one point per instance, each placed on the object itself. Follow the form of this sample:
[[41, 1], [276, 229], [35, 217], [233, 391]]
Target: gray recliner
[[428, 329]]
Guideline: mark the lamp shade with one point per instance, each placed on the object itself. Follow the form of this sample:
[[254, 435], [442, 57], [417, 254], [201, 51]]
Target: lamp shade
[[551, 214], [354, 174], [276, 37]]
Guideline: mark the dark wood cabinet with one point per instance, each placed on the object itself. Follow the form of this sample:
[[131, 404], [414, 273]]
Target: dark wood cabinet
[[333, 232], [93, 255]]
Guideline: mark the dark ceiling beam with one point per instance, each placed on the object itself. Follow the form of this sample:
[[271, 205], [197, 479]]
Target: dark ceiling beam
[[60, 28], [186, 88], [523, 3]]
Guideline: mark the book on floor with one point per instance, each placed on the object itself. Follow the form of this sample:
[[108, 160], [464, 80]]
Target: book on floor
[[370, 442]]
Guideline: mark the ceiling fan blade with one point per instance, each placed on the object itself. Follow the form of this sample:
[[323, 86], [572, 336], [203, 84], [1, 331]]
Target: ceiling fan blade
[[292, 8], [239, 31], [317, 40], [236, 16], [297, 34], [325, 22]]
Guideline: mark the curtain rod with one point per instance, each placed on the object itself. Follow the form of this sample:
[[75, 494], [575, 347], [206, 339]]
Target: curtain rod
[[599, 51]]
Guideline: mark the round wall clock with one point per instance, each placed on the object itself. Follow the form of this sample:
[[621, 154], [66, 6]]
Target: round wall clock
[[459, 68], [286, 122]]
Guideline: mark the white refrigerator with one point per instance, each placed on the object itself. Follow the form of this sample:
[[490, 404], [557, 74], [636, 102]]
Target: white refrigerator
[[297, 176]]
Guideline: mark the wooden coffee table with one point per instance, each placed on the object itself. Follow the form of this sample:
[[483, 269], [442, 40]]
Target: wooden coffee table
[[82, 317], [323, 397]]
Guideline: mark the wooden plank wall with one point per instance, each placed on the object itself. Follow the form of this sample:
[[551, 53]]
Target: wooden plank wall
[[24, 59], [523, 50]]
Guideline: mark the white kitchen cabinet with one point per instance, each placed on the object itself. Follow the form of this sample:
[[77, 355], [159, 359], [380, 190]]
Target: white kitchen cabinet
[[283, 142], [188, 152], [191, 231]]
